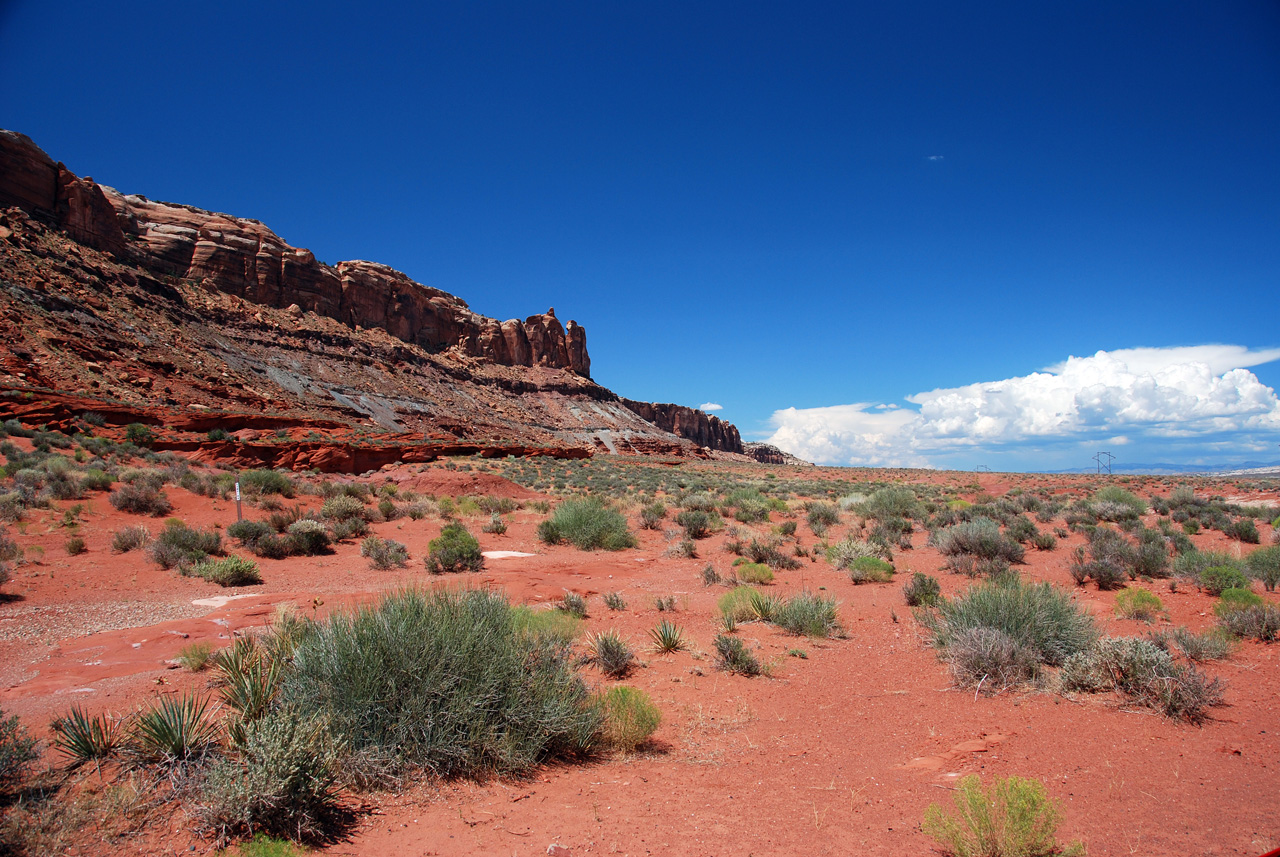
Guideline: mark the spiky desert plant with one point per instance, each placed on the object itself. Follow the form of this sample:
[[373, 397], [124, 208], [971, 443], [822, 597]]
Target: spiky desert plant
[[610, 653], [174, 729], [85, 738], [667, 637]]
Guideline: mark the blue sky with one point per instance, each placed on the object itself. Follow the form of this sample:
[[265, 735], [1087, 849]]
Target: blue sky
[[811, 214]]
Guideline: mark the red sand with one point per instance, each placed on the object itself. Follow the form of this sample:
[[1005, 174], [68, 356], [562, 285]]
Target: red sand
[[836, 753]]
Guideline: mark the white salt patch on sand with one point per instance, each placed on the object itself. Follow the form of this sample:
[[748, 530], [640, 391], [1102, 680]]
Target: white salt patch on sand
[[221, 600], [503, 554]]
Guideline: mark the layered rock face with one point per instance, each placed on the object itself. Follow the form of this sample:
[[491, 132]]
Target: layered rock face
[[245, 258], [690, 424]]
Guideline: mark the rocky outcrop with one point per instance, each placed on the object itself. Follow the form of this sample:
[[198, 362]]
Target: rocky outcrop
[[767, 453], [245, 258], [690, 424]]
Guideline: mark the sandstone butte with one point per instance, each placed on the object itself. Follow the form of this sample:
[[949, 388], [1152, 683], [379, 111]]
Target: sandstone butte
[[244, 329]]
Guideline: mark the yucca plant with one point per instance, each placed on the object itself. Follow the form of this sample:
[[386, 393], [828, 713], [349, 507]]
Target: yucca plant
[[174, 729], [667, 637], [85, 738], [610, 653]]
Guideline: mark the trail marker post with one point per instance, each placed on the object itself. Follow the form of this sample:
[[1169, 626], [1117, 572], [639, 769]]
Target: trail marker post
[[239, 516]]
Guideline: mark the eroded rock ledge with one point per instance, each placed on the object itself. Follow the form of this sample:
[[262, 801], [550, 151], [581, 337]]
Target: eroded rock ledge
[[245, 258]]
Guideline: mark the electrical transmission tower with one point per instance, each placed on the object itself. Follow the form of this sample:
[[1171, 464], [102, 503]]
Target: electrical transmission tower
[[982, 468], [1104, 460]]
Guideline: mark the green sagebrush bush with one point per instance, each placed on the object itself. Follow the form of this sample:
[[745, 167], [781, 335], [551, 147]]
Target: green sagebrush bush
[[281, 780], [17, 751], [588, 524], [1015, 817], [455, 550], [452, 682], [1145, 673], [630, 717], [1036, 616], [179, 546]]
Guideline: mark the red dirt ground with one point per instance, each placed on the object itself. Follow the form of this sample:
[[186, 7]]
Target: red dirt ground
[[838, 752]]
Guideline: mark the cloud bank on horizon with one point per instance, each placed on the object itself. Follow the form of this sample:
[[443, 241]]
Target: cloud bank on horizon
[[1196, 400]]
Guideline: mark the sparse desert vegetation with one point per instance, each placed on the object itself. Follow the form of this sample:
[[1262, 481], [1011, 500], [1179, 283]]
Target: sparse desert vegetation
[[790, 601]]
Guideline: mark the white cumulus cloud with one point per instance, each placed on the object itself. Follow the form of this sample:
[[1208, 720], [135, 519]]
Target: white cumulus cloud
[[710, 406], [1136, 393]]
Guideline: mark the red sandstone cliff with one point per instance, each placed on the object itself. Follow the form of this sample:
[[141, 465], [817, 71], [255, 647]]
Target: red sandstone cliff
[[245, 258], [690, 424]]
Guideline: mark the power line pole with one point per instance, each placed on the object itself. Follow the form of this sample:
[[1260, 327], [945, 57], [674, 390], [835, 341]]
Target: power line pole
[[1104, 460]]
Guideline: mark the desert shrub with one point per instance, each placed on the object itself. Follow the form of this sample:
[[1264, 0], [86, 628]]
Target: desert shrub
[[349, 528], [683, 548], [1014, 818], [787, 529], [1243, 530], [980, 537], [445, 681], [281, 520], [196, 656], [1214, 644], [83, 738], [455, 550], [573, 604], [96, 480], [1145, 673], [809, 615], [630, 717], [551, 624], [1264, 565], [821, 515], [75, 546], [614, 601], [230, 571], [1236, 599], [1260, 622], [1021, 530], [11, 506], [141, 499], [990, 658], [732, 656], [174, 729], [1044, 541], [611, 654], [702, 501], [17, 751], [709, 575], [9, 548], [651, 516], [1221, 577], [768, 551], [497, 525], [249, 533], [754, 572], [697, 523], [262, 482], [870, 569], [1190, 566], [384, 554], [922, 590], [282, 779], [1135, 603], [891, 502], [737, 604], [138, 434], [308, 538], [667, 637], [588, 524], [342, 508], [1152, 556], [1034, 615], [179, 546]]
